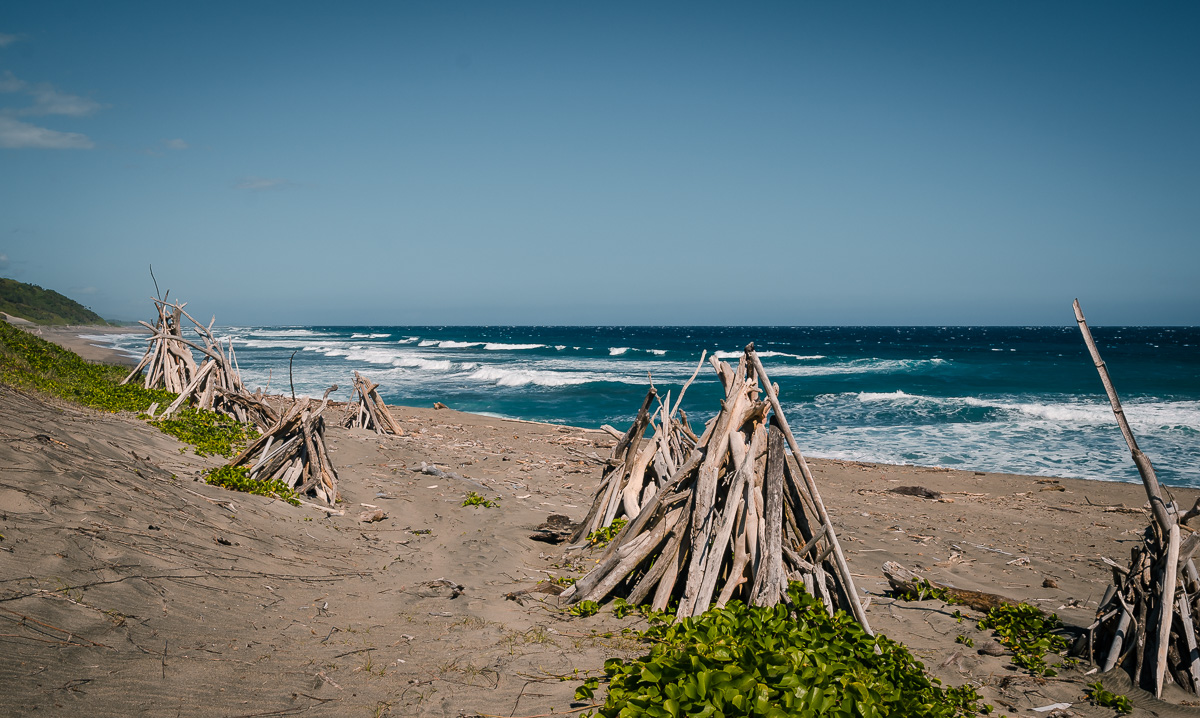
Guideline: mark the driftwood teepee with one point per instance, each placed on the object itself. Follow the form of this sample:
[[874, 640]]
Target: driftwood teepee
[[169, 365], [736, 518], [368, 411], [1144, 622], [294, 451]]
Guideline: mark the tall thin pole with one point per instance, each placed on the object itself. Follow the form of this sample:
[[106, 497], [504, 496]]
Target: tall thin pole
[[1145, 468]]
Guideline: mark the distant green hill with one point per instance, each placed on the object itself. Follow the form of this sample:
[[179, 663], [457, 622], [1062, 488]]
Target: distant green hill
[[43, 306]]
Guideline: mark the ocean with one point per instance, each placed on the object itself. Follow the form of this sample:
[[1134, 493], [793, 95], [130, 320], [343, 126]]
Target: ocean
[[1000, 399]]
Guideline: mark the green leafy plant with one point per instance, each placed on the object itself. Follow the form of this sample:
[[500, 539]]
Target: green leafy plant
[[965, 640], [924, 590], [474, 499], [32, 363], [238, 479], [208, 431], [1028, 633], [622, 608], [603, 535], [1108, 699], [790, 660], [584, 609]]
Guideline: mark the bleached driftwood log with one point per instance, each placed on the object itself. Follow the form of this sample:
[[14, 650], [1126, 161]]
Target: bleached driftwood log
[[1144, 623], [293, 450], [368, 411], [728, 514]]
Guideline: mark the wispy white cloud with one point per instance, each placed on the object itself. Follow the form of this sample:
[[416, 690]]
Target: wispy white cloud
[[262, 184], [10, 83], [6, 39], [3, 262], [46, 100], [49, 101], [175, 144], [15, 134]]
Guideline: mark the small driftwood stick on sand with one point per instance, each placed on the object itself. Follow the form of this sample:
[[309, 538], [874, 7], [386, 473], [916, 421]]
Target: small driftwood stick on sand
[[909, 583]]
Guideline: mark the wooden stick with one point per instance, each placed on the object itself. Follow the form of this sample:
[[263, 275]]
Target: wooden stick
[[679, 399], [770, 584], [1145, 468], [1189, 635], [1166, 612], [839, 559], [187, 392]]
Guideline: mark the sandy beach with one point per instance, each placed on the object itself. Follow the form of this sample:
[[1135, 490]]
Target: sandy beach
[[132, 588]]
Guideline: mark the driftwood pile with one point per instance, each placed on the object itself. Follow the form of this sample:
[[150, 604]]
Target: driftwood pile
[[735, 517], [293, 450], [367, 410], [169, 365], [290, 448], [1144, 623]]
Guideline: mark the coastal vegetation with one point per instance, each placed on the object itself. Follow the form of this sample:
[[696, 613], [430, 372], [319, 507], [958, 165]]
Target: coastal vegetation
[[32, 363], [210, 432], [237, 478], [43, 306], [792, 659]]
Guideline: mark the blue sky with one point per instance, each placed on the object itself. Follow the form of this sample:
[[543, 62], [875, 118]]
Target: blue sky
[[607, 163]]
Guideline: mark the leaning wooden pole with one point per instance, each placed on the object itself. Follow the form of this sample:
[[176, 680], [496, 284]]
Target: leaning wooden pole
[[839, 558], [1145, 468]]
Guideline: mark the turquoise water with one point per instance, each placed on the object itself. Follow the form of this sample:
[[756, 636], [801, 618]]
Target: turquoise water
[[1010, 399]]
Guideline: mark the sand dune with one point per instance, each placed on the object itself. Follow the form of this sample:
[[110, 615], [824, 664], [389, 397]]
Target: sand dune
[[130, 587]]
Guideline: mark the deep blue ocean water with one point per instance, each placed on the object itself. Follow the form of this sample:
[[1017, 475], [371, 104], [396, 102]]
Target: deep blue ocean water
[[1009, 399]]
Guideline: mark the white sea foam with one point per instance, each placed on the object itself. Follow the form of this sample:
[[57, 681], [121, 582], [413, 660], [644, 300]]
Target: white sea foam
[[617, 351], [277, 332], [499, 347], [369, 336], [560, 347], [408, 340], [428, 343], [130, 345], [524, 377], [1147, 415], [859, 366], [767, 354], [456, 345], [657, 352]]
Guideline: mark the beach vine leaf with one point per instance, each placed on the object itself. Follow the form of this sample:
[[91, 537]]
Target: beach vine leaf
[[792, 659]]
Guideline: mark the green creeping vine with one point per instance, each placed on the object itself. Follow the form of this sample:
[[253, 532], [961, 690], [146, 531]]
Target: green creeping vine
[[208, 431], [1108, 699], [583, 609], [603, 535], [1028, 633], [474, 499], [925, 590], [789, 660], [30, 362], [238, 479]]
